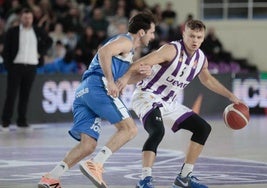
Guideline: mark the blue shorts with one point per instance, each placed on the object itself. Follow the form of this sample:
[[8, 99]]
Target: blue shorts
[[92, 105]]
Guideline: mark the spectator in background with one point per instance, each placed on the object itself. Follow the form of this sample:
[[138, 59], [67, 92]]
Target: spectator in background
[[169, 15], [139, 5], [168, 21], [86, 47], [99, 24], [118, 23], [157, 11], [40, 18], [60, 8], [24, 48], [108, 8], [213, 48], [57, 34], [72, 20], [60, 40], [12, 15], [58, 51], [65, 65], [72, 39]]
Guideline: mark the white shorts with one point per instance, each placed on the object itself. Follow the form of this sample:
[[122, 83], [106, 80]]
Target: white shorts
[[173, 113]]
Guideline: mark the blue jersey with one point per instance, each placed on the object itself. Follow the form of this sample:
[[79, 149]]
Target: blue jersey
[[92, 103], [120, 64]]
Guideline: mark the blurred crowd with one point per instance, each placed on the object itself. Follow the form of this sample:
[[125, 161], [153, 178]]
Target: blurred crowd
[[79, 27]]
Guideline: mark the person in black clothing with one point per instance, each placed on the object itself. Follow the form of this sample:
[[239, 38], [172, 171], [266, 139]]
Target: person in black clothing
[[213, 48], [24, 48]]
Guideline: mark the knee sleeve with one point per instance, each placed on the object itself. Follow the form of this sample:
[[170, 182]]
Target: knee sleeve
[[155, 128], [198, 126]]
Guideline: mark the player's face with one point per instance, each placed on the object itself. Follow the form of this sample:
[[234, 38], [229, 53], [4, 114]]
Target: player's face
[[149, 35], [193, 39]]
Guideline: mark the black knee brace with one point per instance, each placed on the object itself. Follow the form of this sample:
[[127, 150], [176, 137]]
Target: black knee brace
[[155, 128], [198, 126]]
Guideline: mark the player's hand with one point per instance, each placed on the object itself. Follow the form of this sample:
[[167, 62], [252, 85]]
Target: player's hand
[[113, 90], [121, 83], [145, 70], [234, 99]]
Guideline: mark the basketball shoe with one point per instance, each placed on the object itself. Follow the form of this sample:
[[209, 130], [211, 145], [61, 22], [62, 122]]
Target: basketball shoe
[[145, 183], [94, 172], [47, 182], [188, 181]]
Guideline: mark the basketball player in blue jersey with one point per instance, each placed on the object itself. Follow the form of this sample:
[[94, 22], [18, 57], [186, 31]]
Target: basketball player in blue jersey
[[97, 98], [175, 65]]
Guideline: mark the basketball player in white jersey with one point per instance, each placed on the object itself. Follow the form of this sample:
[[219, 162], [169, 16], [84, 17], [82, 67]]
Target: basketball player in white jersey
[[175, 65]]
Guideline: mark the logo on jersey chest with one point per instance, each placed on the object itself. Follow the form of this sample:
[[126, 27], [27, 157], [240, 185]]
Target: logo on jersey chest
[[176, 83]]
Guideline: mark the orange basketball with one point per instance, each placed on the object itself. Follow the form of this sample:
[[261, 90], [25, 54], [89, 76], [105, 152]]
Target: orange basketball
[[236, 116]]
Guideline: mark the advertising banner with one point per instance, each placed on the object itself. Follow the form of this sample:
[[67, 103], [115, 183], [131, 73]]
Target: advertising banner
[[52, 96]]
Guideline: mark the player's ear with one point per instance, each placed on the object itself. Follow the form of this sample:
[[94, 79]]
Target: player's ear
[[142, 32]]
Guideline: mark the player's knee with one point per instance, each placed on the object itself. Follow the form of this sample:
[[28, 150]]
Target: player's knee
[[158, 133], [133, 131], [88, 144], [154, 139], [155, 129], [201, 133], [128, 127]]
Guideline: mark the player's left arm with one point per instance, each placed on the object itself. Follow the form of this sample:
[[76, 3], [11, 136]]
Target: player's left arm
[[144, 71], [214, 85], [142, 67]]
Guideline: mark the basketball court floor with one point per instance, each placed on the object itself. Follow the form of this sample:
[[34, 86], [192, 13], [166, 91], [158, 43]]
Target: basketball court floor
[[231, 159]]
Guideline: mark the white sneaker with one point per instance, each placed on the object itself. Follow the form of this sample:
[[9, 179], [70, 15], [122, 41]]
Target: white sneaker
[[24, 129], [5, 129]]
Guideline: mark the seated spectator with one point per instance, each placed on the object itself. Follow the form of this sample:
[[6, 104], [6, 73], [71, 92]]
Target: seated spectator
[[86, 46], [99, 24], [213, 48], [64, 65], [169, 15], [117, 23]]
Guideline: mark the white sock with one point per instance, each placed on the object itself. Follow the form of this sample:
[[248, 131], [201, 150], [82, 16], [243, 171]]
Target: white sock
[[146, 171], [186, 169], [59, 170], [102, 155]]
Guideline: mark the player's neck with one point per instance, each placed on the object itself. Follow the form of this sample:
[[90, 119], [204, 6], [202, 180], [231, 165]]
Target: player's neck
[[136, 41]]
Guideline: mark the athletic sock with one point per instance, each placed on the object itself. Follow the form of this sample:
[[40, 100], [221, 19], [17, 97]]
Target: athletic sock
[[146, 171], [186, 169], [59, 170], [102, 155]]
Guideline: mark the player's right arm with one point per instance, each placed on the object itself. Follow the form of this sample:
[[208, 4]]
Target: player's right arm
[[164, 54], [214, 85], [121, 45]]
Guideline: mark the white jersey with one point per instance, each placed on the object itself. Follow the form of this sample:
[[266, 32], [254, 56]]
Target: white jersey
[[168, 79], [165, 83]]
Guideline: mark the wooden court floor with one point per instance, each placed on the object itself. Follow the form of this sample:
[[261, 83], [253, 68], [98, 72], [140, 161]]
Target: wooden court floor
[[231, 159]]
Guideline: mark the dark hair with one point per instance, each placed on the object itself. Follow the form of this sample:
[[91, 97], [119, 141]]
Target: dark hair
[[141, 20], [26, 10], [195, 25]]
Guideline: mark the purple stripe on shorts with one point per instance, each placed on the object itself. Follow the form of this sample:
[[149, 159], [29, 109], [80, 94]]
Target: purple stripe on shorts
[[155, 105], [175, 127]]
